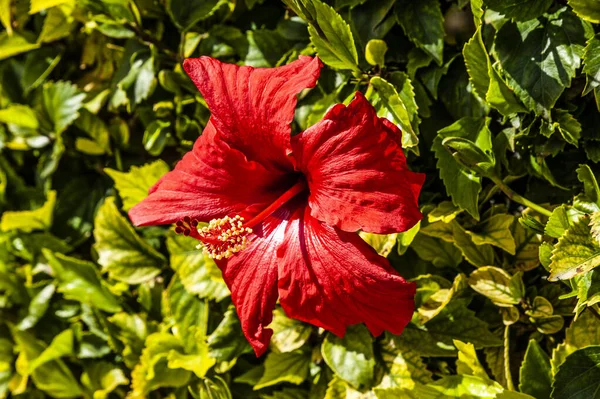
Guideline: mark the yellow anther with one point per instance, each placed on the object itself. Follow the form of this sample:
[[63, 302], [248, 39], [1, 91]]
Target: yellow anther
[[224, 237]]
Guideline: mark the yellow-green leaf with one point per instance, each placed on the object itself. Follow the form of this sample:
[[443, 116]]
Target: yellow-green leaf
[[37, 219], [575, 253], [133, 186], [121, 252], [496, 284]]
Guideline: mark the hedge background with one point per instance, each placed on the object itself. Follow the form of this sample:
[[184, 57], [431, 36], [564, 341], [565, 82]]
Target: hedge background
[[499, 104]]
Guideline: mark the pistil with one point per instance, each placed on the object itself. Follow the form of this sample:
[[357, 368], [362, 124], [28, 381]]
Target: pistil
[[229, 235]]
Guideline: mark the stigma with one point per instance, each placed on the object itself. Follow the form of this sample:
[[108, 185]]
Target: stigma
[[224, 237]]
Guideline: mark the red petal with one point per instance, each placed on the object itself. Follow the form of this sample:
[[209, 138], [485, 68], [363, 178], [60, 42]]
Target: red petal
[[253, 107], [251, 276], [211, 181], [333, 279], [356, 171]]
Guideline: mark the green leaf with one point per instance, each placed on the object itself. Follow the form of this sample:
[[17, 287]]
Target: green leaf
[[102, 378], [289, 367], [535, 375], [288, 334], [445, 212], [40, 5], [467, 362], [581, 333], [579, 376], [382, 243], [500, 96], [145, 81], [54, 377], [61, 346], [586, 9], [477, 255], [155, 137], [62, 101], [96, 129], [567, 126], [58, 24], [496, 231], [371, 21], [438, 252], [186, 14], [455, 321], [433, 301], [152, 372], [20, 115], [5, 19], [37, 307], [562, 218], [121, 252], [591, 64], [497, 285], [227, 341], [198, 273], [422, 22], [461, 184], [402, 366], [351, 357], [476, 61], [406, 238], [537, 76], [38, 219], [591, 190], [131, 329], [375, 52], [11, 45], [6, 362], [527, 248], [189, 314], [519, 10], [266, 48], [79, 280], [133, 186], [394, 109], [329, 33], [575, 253]]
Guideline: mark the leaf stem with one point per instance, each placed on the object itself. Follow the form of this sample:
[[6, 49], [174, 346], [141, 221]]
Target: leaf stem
[[509, 381], [519, 199]]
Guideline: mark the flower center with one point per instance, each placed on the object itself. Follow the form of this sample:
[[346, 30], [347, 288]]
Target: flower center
[[229, 235]]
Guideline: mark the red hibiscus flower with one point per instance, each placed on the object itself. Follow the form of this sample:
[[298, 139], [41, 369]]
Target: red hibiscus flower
[[284, 210]]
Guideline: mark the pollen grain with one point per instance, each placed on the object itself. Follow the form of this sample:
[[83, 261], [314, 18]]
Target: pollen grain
[[224, 237]]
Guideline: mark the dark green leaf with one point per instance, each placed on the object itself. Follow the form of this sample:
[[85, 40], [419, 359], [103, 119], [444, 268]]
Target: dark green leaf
[[185, 14], [591, 64], [422, 22], [538, 76], [435, 338], [535, 375], [520, 10], [461, 185], [579, 376]]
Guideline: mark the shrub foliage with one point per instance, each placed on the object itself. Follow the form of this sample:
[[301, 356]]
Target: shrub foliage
[[498, 101]]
